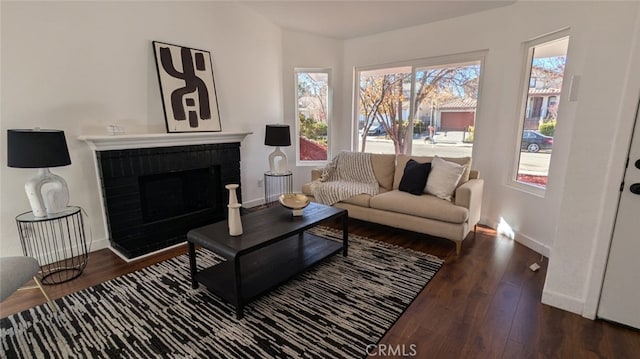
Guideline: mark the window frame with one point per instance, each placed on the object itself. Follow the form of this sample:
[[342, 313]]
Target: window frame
[[324, 70], [527, 64], [435, 61]]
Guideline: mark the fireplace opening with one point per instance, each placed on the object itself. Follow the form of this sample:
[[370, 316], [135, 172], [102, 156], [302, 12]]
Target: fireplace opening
[[168, 195]]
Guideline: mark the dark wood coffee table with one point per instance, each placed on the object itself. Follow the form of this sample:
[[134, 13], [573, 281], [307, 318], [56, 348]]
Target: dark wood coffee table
[[273, 248]]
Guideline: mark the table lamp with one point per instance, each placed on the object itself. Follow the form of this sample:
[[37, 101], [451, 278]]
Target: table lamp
[[47, 193], [277, 135]]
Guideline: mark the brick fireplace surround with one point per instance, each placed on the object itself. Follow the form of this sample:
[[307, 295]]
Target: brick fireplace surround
[[155, 188]]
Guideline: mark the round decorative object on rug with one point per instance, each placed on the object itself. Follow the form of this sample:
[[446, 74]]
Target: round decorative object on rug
[[295, 202]]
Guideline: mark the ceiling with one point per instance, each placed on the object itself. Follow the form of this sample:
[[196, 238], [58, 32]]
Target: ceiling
[[349, 19]]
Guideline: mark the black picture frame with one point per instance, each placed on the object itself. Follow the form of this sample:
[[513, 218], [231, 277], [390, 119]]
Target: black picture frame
[[187, 88]]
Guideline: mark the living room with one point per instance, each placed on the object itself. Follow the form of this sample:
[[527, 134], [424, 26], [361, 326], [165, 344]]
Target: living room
[[82, 66]]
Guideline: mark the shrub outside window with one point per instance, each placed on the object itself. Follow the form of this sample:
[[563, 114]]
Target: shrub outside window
[[312, 116]]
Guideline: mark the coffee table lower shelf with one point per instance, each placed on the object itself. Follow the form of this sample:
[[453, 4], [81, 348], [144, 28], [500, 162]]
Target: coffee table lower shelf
[[266, 268]]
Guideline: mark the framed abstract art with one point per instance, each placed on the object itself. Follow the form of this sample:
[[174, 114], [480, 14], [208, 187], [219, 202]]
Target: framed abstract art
[[187, 88]]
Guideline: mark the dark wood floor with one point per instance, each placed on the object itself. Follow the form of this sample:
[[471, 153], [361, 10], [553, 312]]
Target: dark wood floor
[[483, 304]]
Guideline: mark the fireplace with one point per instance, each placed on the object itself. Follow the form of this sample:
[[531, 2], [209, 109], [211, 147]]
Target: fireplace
[[167, 195], [153, 196]]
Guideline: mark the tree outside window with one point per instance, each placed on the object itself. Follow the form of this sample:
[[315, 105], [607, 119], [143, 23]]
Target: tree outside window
[[404, 106]]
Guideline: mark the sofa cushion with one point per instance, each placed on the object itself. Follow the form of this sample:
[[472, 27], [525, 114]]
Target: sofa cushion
[[401, 162], [306, 189], [426, 206], [383, 169], [443, 178], [414, 178], [361, 200]]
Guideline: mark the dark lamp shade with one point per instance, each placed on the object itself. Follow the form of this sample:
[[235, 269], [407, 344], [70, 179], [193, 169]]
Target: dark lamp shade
[[37, 149], [277, 135]]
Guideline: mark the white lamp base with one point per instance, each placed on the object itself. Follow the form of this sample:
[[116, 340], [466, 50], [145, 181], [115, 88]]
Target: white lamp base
[[277, 162], [47, 193]]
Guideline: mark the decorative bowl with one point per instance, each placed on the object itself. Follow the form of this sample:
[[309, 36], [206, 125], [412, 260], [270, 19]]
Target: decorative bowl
[[295, 202]]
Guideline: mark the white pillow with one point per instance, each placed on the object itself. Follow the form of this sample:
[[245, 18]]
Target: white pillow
[[443, 178]]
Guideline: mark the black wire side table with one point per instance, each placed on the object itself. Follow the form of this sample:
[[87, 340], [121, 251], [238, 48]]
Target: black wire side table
[[57, 241], [276, 184]]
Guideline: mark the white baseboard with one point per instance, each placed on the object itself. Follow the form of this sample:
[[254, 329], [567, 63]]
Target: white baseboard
[[253, 203], [565, 302], [533, 244], [99, 244], [523, 239]]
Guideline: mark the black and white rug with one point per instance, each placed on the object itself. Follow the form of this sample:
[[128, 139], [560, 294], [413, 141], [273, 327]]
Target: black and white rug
[[334, 310]]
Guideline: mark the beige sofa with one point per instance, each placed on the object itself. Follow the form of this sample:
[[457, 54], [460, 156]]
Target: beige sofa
[[425, 213]]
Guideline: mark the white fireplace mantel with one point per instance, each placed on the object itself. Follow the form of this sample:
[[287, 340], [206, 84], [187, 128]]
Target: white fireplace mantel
[[121, 142], [99, 143]]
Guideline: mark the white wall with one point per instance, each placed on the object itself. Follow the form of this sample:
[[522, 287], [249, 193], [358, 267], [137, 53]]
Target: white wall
[[302, 50], [587, 215], [79, 66], [568, 221]]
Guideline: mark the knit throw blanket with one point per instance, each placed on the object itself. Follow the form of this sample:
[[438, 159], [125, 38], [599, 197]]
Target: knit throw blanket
[[348, 174]]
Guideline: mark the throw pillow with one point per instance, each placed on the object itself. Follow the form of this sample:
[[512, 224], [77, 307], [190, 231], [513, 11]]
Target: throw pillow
[[414, 177], [443, 178], [466, 162]]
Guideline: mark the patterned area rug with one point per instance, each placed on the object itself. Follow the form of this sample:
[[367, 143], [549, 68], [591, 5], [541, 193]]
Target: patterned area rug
[[334, 310]]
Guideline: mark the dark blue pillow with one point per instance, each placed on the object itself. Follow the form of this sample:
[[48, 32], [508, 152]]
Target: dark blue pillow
[[414, 177]]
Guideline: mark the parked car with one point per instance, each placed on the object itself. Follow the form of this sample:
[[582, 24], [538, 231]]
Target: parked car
[[377, 131], [534, 141]]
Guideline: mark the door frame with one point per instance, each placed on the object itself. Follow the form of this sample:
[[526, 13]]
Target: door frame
[[626, 116], [624, 187], [611, 200]]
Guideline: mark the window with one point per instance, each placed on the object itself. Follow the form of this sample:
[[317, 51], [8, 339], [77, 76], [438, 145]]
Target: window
[[313, 116], [383, 103], [545, 71], [420, 109]]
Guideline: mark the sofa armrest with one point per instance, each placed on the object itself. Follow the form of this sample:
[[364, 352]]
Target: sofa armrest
[[469, 195], [316, 173]]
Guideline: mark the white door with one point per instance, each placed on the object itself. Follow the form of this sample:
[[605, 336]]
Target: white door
[[620, 297]]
